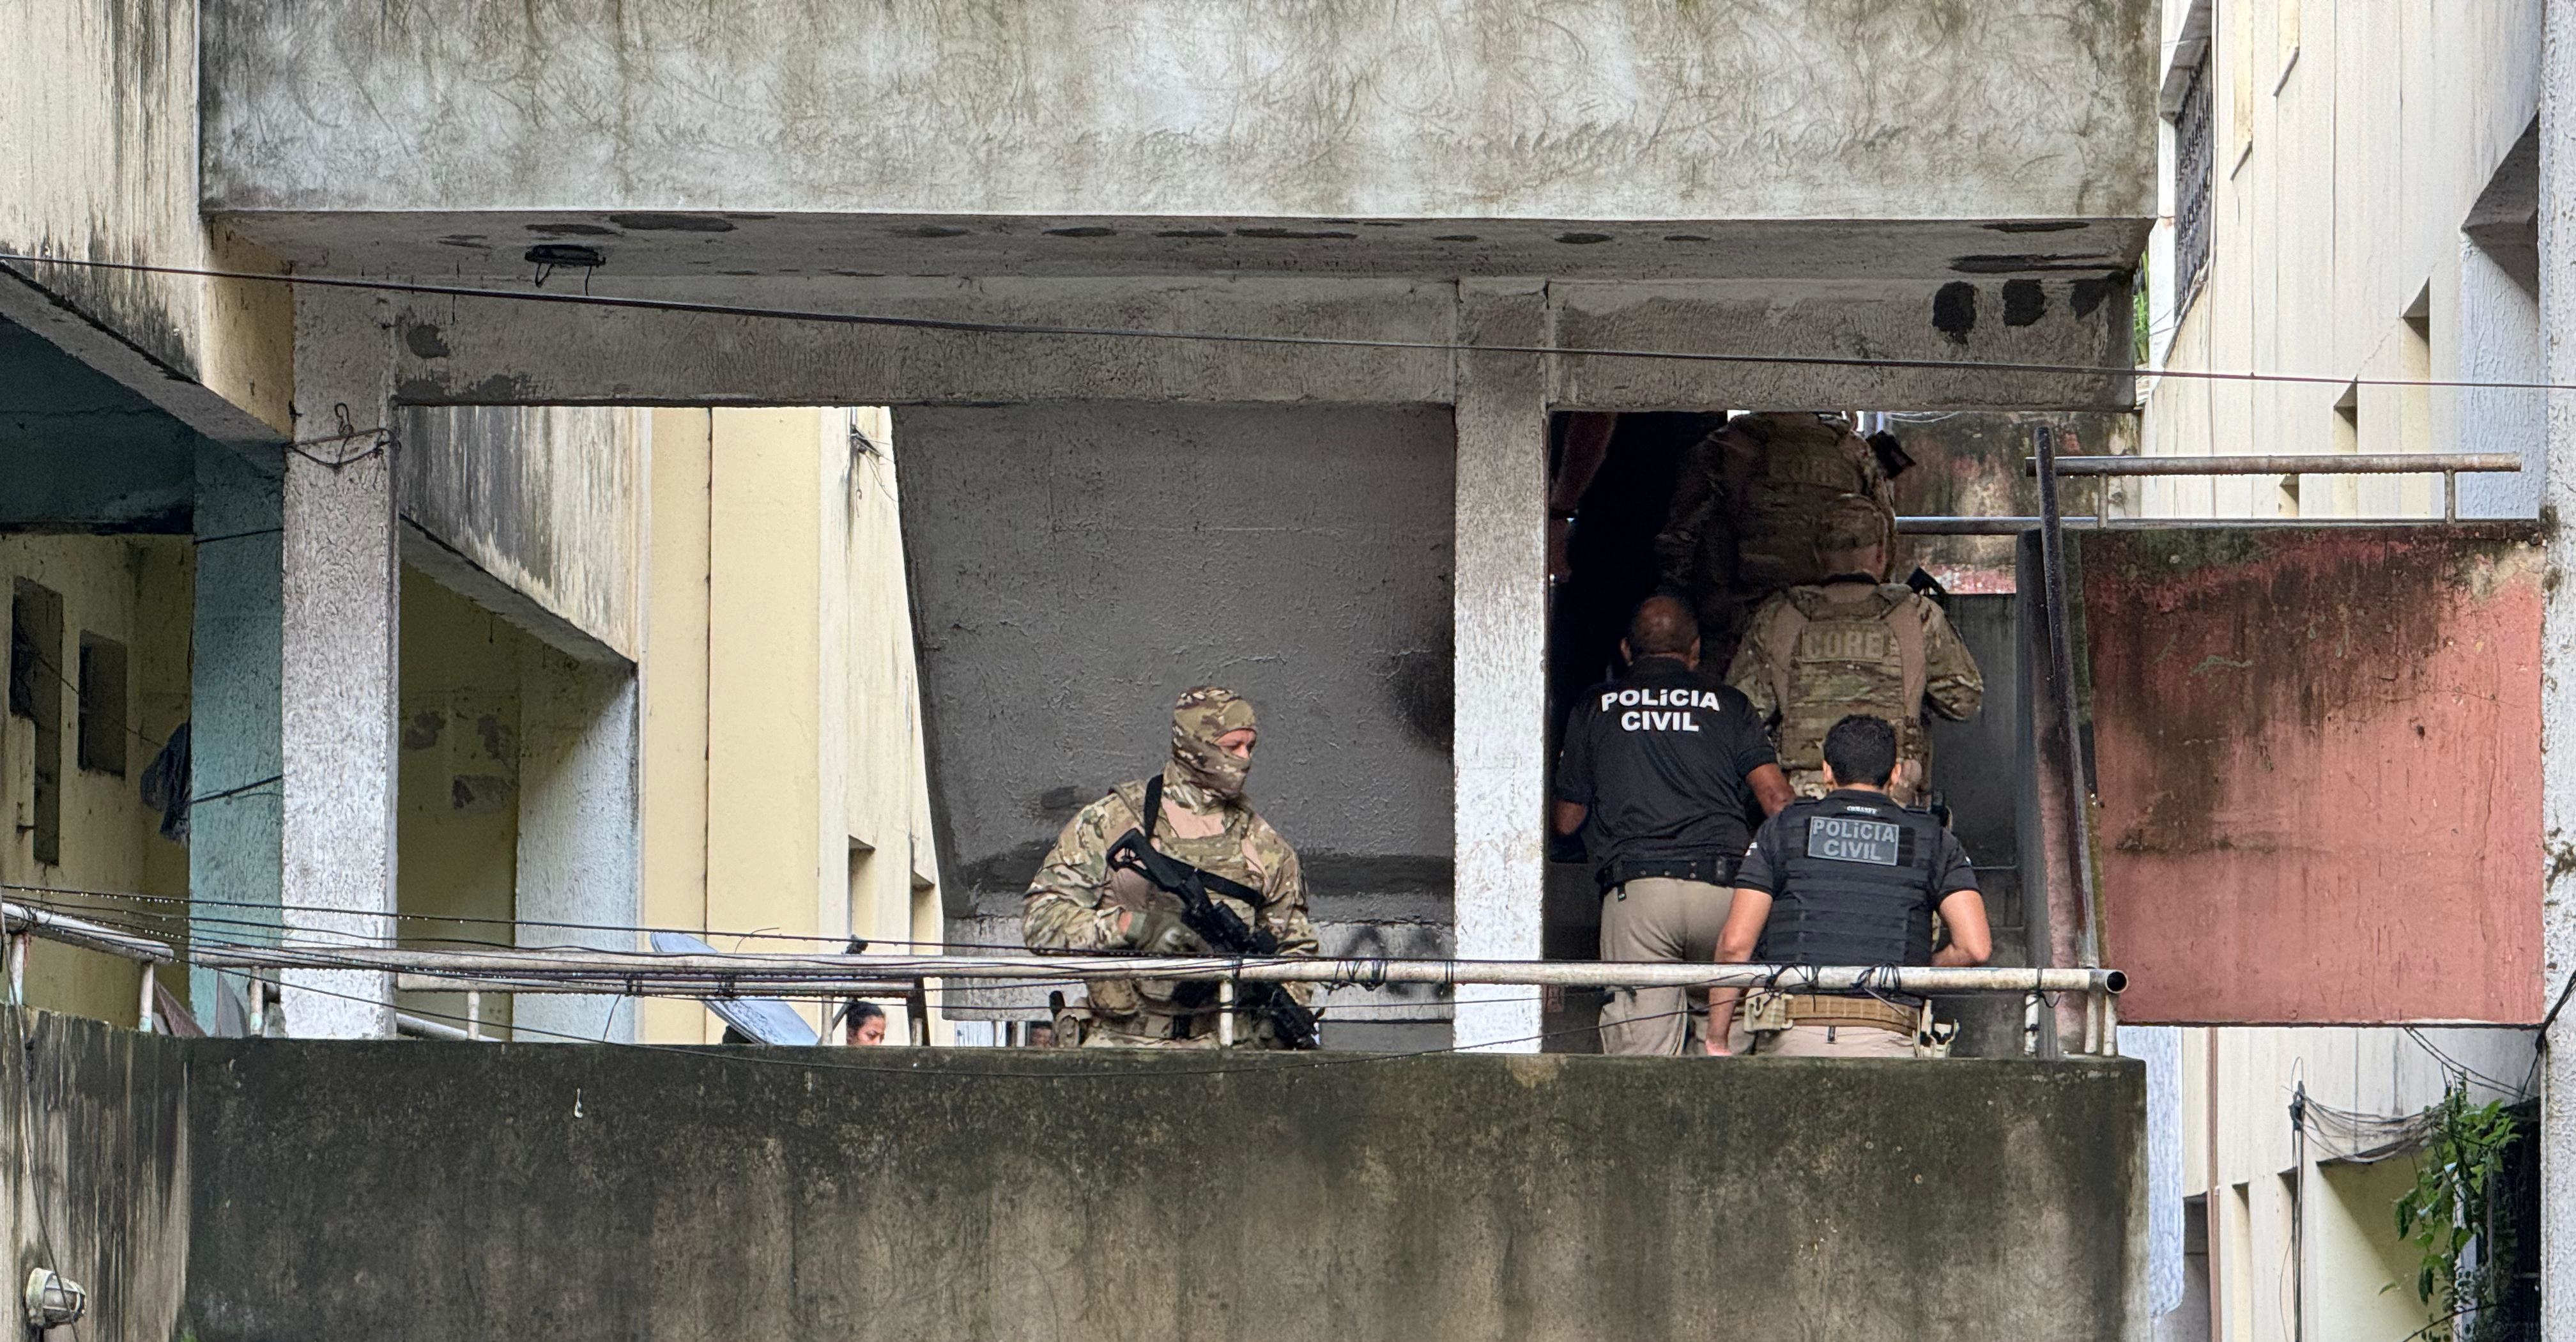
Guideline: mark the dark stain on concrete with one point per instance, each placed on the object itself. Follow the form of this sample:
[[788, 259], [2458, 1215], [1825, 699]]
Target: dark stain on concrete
[[1685, 237], [1422, 683], [2017, 263], [480, 793], [571, 229], [1297, 234], [648, 222], [1582, 239], [928, 231], [496, 738], [1007, 871], [2089, 294], [1057, 804], [469, 241], [1191, 233], [2024, 302], [425, 341], [1954, 310], [423, 730], [1455, 237], [1082, 231], [2038, 225]]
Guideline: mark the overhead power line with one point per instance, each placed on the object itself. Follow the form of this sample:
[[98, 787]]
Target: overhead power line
[[971, 327]]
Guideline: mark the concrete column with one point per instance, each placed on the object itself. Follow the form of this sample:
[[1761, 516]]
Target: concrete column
[[2558, 667], [233, 701], [338, 638], [577, 848], [1500, 674]]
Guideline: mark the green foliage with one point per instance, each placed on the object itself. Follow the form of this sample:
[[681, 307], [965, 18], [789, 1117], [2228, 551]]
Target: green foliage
[[2457, 1200]]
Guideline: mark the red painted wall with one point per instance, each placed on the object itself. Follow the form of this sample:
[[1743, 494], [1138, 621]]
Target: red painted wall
[[2317, 758]]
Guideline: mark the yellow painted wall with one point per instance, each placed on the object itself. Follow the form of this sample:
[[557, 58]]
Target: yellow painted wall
[[457, 803], [784, 787], [135, 590]]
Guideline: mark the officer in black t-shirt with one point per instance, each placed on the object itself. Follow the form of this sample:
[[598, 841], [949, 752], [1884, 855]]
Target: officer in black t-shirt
[[1655, 773], [1849, 880]]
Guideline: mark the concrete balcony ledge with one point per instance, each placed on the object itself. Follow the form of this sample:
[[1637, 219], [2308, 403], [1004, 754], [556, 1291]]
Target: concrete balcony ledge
[[399, 1190], [1108, 134]]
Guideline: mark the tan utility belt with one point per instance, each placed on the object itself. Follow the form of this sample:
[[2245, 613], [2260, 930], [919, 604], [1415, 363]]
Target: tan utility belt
[[1766, 1012]]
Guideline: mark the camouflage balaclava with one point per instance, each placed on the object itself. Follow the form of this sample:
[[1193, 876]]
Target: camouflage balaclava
[[1198, 719]]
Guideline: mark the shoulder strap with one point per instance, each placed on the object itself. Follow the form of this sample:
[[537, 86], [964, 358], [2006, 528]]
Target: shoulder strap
[[1153, 807], [1907, 623]]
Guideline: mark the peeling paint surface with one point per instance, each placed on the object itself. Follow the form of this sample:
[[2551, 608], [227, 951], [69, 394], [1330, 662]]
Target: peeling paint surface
[[2318, 764]]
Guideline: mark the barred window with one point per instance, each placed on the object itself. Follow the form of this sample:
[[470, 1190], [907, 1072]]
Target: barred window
[[2195, 153]]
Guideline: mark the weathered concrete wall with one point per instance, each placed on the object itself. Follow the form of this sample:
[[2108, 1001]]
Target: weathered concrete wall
[[548, 501], [98, 161], [106, 1198], [609, 1193], [1077, 567], [1853, 109], [2319, 764]]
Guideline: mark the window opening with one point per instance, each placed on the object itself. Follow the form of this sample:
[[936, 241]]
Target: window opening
[[102, 705], [2195, 150], [36, 694]]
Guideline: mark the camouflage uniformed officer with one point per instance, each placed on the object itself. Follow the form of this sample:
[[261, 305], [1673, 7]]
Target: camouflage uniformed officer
[[1742, 523], [1076, 903], [1854, 644]]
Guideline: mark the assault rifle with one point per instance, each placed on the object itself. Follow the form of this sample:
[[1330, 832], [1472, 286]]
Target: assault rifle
[[1222, 929]]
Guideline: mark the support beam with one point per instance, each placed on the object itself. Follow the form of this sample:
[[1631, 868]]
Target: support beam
[[1500, 669], [497, 351], [339, 694]]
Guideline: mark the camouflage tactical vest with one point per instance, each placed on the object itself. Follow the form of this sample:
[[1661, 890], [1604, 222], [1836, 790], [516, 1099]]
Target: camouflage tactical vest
[[1227, 853], [1789, 469], [1832, 658]]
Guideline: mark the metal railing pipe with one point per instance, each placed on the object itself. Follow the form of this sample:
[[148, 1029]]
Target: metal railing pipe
[[2287, 463], [71, 931], [614, 971]]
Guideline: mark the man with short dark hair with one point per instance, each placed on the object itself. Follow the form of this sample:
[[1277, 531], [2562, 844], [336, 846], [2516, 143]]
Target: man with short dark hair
[[1844, 880], [1655, 774]]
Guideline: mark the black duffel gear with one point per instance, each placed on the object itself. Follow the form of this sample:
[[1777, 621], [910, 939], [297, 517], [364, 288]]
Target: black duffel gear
[[1618, 871], [1855, 884]]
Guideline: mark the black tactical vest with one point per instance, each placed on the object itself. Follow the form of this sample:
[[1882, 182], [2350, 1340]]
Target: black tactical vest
[[1855, 884]]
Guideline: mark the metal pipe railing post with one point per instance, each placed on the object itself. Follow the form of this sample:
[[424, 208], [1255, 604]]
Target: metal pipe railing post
[[2061, 668]]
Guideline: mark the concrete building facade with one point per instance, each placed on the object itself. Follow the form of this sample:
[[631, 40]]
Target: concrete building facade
[[2352, 192]]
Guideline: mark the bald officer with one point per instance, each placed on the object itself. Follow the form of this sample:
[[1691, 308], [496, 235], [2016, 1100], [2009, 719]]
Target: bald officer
[[1655, 775]]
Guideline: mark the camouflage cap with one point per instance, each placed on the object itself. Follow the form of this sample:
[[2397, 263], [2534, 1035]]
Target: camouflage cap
[[1201, 715], [1852, 522]]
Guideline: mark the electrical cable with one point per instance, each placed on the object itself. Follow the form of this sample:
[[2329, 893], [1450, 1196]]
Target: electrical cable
[[959, 325]]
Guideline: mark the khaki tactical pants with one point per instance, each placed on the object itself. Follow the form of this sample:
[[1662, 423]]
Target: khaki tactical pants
[[1833, 1041], [1658, 918]]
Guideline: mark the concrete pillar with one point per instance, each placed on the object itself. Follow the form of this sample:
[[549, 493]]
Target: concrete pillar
[[1500, 674], [2558, 666], [577, 850], [233, 701], [338, 641]]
